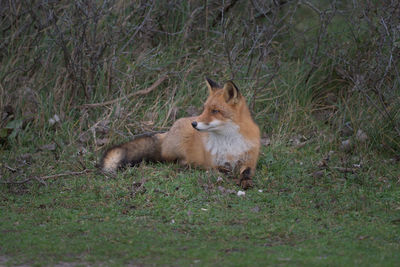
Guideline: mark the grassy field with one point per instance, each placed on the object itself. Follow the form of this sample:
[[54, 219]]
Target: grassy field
[[321, 79], [303, 210]]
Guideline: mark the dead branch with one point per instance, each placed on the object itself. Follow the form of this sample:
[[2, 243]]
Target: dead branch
[[344, 170], [41, 179], [325, 19], [10, 168], [138, 28], [223, 11], [137, 93]]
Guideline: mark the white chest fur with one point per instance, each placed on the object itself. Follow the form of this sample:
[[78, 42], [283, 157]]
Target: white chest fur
[[227, 145]]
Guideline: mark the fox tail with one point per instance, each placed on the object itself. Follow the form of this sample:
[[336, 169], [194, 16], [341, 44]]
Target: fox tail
[[143, 147]]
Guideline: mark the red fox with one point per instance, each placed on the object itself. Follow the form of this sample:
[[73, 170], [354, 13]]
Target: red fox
[[223, 137]]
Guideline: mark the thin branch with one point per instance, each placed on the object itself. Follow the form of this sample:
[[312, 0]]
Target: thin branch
[[46, 177], [10, 168], [224, 10], [344, 170], [325, 20], [307, 3], [140, 92], [138, 28]]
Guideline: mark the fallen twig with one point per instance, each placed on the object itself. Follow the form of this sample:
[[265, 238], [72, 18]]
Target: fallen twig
[[41, 179], [10, 168], [140, 92], [342, 169], [138, 187]]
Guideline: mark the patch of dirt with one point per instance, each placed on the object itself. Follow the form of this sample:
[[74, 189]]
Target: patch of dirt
[[4, 260]]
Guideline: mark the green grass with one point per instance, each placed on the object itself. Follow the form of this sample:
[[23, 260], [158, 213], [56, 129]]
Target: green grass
[[300, 212], [180, 217]]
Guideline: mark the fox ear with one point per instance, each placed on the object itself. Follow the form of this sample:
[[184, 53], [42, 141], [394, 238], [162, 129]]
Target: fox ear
[[231, 92], [212, 86]]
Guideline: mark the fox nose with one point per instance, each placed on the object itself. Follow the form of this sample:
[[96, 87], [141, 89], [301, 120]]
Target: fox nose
[[194, 124]]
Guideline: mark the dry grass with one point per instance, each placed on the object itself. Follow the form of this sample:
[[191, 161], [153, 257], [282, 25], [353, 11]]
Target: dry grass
[[299, 64]]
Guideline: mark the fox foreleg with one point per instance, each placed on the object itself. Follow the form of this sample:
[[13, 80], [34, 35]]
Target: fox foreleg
[[247, 169], [245, 179]]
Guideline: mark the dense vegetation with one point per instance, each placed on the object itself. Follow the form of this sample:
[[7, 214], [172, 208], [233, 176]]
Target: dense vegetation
[[322, 81]]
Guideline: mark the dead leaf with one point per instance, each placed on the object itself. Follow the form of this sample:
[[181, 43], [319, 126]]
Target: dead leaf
[[224, 191], [49, 147], [256, 209], [318, 174], [138, 187], [102, 142], [26, 158], [346, 145], [102, 127], [148, 123], [322, 164], [84, 137], [345, 170], [299, 141], [302, 144], [361, 136], [266, 141], [347, 130]]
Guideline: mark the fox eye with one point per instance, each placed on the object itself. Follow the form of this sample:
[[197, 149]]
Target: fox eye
[[214, 111]]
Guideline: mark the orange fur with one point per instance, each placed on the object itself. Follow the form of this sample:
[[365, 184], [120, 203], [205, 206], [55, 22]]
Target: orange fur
[[224, 136]]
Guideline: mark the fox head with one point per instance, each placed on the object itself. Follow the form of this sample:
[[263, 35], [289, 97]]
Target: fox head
[[225, 108]]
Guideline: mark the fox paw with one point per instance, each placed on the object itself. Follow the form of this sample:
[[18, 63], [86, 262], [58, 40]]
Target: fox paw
[[245, 184], [245, 180]]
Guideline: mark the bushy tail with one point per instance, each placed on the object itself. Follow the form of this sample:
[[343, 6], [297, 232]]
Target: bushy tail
[[142, 147]]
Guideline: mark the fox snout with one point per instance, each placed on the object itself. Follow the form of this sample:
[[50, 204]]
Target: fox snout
[[194, 124]]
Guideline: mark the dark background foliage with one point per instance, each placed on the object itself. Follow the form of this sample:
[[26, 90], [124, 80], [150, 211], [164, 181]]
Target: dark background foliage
[[297, 61]]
